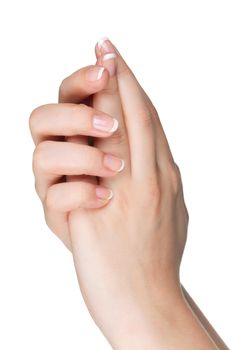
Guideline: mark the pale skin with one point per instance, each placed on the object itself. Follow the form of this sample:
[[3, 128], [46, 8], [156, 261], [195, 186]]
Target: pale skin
[[127, 249]]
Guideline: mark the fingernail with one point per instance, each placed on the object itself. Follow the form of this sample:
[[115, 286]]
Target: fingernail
[[95, 73], [105, 123], [108, 54], [113, 163], [104, 193], [101, 42], [105, 45], [109, 62]]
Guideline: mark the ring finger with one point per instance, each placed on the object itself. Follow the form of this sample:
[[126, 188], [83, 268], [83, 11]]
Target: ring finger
[[52, 160]]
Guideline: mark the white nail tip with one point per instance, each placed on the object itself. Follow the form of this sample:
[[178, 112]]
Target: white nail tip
[[110, 195], [101, 41], [101, 70], [122, 166], [115, 126], [109, 56]]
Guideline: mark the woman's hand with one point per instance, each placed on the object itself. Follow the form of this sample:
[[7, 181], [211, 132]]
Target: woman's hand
[[127, 250], [65, 172]]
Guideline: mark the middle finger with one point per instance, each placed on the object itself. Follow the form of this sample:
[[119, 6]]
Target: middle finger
[[69, 120]]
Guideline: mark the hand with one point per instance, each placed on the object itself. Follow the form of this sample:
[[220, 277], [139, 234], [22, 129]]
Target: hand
[[59, 166], [127, 254], [127, 250]]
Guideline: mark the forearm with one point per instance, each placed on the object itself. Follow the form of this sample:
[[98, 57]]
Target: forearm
[[205, 323], [171, 325]]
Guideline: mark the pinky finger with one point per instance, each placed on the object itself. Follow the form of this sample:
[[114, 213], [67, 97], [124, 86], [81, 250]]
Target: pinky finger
[[67, 196]]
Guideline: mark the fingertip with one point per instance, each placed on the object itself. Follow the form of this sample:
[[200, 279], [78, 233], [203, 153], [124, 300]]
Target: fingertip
[[101, 41], [94, 73], [104, 193], [83, 83], [103, 196], [97, 76], [99, 45]]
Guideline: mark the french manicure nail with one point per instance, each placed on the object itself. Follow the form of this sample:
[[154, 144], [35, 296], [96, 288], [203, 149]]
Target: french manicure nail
[[109, 56], [109, 62], [104, 193], [113, 163], [105, 45], [105, 123], [102, 41], [95, 73]]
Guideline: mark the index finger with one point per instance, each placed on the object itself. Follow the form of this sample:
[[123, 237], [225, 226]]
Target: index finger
[[83, 83]]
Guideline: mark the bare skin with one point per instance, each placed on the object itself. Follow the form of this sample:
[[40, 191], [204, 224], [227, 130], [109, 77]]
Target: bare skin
[[127, 249]]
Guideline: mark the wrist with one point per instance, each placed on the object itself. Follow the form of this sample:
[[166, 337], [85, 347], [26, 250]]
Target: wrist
[[141, 328], [170, 324]]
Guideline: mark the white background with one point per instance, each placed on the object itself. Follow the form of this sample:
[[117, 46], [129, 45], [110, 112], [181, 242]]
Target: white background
[[181, 53]]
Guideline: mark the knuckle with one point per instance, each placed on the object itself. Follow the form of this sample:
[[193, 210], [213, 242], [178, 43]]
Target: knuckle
[[52, 200], [36, 188], [146, 117], [153, 193], [40, 192], [62, 88], [40, 159], [34, 117], [175, 177]]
